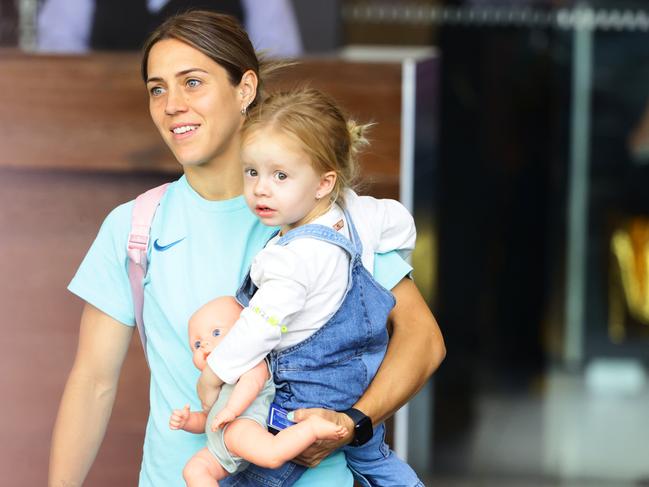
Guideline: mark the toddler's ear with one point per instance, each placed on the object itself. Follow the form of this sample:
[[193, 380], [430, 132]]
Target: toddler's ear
[[327, 183]]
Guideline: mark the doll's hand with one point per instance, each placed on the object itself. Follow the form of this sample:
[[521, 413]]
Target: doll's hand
[[223, 417], [179, 418]]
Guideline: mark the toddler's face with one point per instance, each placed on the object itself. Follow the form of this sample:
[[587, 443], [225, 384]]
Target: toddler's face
[[280, 183], [209, 325]]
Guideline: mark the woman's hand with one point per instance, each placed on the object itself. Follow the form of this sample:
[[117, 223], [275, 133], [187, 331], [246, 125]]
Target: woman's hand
[[317, 452], [208, 388]]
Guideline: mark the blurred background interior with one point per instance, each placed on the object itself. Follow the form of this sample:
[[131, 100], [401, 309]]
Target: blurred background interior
[[516, 131]]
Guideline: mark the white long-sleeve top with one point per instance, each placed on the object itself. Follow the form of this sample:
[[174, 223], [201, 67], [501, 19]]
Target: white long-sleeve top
[[302, 284]]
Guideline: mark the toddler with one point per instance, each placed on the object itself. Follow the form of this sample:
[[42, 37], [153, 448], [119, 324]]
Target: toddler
[[311, 307]]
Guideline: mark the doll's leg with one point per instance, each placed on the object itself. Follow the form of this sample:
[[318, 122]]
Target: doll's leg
[[247, 439], [203, 470]]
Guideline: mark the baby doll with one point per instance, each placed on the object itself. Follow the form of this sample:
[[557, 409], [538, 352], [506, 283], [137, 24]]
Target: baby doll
[[236, 424]]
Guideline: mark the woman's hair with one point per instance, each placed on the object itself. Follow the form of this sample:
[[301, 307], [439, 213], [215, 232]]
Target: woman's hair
[[220, 37], [330, 139]]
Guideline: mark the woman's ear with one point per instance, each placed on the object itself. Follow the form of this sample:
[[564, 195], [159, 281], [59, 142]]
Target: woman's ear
[[327, 184], [248, 87]]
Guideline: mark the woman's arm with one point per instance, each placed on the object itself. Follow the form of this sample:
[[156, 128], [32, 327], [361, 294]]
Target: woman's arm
[[415, 350], [88, 397]]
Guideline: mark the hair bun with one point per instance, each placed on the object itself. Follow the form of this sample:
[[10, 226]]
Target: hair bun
[[357, 135]]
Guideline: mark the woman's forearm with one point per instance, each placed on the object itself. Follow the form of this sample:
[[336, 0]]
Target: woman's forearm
[[88, 397], [415, 350], [79, 429]]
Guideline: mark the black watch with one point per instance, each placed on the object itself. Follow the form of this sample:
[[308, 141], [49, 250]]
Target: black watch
[[362, 427]]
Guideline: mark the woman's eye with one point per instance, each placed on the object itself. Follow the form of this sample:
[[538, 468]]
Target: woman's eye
[[193, 83], [281, 175], [216, 332], [197, 344], [156, 91]]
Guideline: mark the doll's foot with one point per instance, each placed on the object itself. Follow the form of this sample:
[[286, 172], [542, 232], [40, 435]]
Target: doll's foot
[[326, 430]]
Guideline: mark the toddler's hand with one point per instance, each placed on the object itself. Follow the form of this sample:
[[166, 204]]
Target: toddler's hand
[[223, 417], [179, 418]]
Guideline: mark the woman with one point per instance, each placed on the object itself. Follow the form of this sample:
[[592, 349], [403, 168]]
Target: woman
[[202, 74]]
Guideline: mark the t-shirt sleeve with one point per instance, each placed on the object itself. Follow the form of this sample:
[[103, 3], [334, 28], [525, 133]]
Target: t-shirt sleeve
[[280, 274], [390, 268], [102, 277]]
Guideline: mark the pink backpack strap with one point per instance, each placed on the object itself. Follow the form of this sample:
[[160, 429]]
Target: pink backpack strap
[[138, 242]]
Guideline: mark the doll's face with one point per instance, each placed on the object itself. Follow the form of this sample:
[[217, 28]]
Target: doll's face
[[209, 325]]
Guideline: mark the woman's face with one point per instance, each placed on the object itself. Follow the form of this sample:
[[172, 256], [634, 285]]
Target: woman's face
[[193, 104]]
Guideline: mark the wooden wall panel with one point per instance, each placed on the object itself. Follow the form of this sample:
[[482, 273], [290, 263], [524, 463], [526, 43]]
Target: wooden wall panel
[[91, 112]]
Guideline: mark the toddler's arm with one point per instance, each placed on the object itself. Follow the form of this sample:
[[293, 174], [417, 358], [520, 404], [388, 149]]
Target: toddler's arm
[[397, 227], [190, 421], [384, 225], [244, 393]]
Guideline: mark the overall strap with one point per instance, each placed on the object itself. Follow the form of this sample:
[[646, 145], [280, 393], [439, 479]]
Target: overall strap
[[353, 234], [353, 247], [138, 243]]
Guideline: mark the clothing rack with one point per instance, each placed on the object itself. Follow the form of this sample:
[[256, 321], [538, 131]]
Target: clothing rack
[[417, 14]]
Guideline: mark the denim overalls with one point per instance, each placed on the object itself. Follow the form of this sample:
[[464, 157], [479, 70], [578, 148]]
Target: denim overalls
[[333, 367]]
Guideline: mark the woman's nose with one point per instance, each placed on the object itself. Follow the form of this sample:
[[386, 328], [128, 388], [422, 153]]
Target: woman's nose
[[175, 102]]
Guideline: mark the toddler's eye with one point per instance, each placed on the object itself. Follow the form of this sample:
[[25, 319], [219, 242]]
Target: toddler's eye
[[197, 344], [251, 172], [216, 332], [281, 175]]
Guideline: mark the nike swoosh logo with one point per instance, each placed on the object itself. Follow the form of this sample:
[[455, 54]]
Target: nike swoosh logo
[[162, 248]]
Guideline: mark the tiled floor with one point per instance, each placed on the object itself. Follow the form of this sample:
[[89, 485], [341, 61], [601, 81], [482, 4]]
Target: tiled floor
[[574, 431], [521, 482]]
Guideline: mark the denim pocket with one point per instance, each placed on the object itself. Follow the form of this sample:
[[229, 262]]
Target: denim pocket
[[336, 387]]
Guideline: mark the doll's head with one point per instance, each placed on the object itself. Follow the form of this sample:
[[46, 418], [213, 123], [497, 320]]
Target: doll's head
[[298, 154], [209, 325]]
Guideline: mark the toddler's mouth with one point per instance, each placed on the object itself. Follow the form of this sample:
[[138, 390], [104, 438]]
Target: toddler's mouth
[[264, 211]]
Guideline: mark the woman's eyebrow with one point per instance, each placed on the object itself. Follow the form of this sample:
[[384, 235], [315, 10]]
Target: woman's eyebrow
[[178, 74]]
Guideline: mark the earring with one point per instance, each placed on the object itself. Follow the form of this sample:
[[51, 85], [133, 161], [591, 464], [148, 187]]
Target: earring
[[244, 109], [318, 196]]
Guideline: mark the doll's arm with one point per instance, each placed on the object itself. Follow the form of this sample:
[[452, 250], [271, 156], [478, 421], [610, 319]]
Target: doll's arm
[[190, 421], [245, 391]]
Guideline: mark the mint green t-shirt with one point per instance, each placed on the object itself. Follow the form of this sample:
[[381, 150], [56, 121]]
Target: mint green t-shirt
[[200, 249]]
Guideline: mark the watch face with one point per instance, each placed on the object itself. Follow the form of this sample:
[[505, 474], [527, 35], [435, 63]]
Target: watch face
[[362, 431]]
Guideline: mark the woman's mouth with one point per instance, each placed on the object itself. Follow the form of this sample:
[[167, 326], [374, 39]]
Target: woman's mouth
[[183, 131]]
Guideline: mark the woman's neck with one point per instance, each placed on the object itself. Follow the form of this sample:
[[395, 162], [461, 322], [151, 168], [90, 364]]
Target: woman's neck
[[216, 181]]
